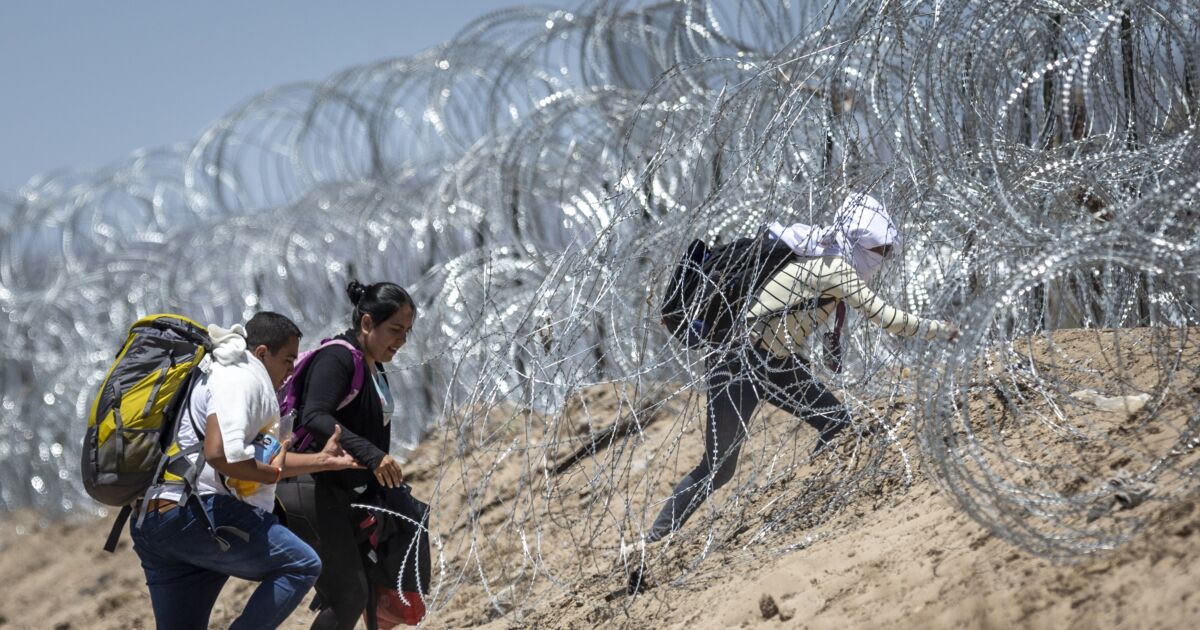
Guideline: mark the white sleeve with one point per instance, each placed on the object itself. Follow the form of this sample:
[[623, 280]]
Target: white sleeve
[[231, 397], [838, 279]]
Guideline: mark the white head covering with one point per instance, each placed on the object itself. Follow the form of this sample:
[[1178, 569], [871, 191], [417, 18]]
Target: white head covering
[[860, 224]]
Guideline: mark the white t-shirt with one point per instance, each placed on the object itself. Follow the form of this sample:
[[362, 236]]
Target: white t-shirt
[[385, 397], [200, 406]]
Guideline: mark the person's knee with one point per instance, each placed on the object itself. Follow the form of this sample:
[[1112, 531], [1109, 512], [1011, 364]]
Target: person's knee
[[701, 473], [724, 472], [309, 567], [296, 557]]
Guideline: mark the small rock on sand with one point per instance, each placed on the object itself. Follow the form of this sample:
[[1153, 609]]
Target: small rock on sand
[[767, 606]]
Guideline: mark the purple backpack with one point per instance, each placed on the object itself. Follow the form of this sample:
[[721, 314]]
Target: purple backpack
[[302, 438]]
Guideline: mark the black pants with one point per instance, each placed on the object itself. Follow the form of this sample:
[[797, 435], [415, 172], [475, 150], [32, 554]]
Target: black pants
[[320, 514], [737, 382], [343, 582]]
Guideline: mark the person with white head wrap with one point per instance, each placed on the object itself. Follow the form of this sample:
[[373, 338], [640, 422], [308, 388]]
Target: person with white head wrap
[[832, 265], [860, 226], [833, 262]]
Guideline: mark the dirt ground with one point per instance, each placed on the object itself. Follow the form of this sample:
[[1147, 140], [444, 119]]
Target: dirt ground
[[528, 512]]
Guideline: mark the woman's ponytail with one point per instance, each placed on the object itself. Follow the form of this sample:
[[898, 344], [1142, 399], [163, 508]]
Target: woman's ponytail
[[355, 291], [380, 300]]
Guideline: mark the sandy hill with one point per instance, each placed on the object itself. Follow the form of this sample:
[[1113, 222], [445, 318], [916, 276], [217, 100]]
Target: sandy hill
[[529, 511]]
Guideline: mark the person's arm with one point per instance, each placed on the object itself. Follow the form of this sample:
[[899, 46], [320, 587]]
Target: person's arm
[[331, 457], [247, 469], [284, 465], [327, 381], [836, 278]]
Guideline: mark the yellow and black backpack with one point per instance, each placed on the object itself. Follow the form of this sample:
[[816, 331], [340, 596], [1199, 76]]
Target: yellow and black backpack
[[130, 440]]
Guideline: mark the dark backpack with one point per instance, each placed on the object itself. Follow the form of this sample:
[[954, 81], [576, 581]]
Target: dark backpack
[[392, 529], [395, 538], [711, 288]]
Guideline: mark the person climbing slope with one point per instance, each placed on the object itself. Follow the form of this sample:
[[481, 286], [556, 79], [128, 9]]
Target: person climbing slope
[[829, 271], [329, 403], [189, 554]]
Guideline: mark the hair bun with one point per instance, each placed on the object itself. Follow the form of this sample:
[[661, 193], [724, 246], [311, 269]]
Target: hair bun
[[355, 291]]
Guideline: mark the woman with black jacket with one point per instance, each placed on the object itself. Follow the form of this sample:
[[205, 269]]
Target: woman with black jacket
[[383, 315]]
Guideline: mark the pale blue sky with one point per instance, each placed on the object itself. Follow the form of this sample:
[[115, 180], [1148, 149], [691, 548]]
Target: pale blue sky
[[84, 83]]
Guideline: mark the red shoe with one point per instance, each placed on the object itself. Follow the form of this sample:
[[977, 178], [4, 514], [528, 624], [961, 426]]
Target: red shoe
[[394, 610]]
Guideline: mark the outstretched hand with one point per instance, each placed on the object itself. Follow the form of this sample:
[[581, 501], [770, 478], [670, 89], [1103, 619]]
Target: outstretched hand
[[388, 472], [334, 457]]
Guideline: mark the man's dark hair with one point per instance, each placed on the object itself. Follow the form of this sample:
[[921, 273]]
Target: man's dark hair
[[271, 330]]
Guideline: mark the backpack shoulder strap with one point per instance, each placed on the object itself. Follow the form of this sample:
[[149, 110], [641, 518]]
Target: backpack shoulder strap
[[289, 397], [114, 534], [290, 402], [360, 369]]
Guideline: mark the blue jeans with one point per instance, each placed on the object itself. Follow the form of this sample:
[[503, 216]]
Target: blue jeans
[[185, 568]]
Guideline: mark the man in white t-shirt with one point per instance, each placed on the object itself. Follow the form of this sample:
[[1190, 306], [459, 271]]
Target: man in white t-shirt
[[234, 412]]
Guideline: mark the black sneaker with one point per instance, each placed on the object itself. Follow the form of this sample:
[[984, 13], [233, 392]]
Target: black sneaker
[[639, 580]]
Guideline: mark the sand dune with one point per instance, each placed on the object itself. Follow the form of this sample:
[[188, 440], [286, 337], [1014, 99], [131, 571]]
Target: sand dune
[[841, 542]]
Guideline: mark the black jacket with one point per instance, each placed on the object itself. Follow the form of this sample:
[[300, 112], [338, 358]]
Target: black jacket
[[326, 381]]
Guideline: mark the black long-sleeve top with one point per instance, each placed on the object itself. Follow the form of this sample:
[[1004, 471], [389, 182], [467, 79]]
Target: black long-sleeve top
[[326, 382]]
